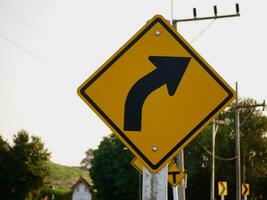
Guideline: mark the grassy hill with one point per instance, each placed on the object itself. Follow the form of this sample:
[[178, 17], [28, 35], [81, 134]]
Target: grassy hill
[[63, 177]]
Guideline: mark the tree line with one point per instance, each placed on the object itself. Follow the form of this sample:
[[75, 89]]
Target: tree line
[[23, 167], [24, 163], [114, 177]]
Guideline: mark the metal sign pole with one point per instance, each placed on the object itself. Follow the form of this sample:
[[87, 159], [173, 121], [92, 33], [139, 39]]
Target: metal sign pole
[[245, 197], [222, 197], [155, 185], [175, 192]]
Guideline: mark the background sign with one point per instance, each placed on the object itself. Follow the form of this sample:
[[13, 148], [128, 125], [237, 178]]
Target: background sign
[[175, 175], [245, 189], [222, 188]]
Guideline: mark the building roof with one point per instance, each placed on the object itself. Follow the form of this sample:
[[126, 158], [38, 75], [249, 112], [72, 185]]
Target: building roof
[[81, 180]]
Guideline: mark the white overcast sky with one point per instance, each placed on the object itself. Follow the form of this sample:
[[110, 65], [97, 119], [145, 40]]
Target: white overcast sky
[[49, 47]]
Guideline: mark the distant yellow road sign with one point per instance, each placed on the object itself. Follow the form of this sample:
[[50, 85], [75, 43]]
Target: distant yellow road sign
[[156, 93], [245, 189], [175, 174], [222, 188], [137, 165]]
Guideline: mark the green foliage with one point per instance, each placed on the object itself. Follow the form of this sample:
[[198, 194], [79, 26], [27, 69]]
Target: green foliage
[[253, 155], [59, 194], [23, 167], [62, 194], [63, 177], [86, 162], [254, 150], [113, 176]]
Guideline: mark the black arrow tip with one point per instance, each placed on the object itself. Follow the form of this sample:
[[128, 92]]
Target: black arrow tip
[[172, 70]]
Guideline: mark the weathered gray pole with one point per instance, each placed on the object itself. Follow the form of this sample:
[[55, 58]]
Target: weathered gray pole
[[181, 186], [237, 122], [175, 192], [212, 193], [215, 126], [155, 185]]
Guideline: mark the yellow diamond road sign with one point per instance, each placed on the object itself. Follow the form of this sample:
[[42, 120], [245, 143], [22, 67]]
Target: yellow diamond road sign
[[156, 93], [175, 175]]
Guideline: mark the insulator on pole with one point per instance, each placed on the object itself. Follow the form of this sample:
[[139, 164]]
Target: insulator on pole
[[215, 10], [195, 12], [237, 8]]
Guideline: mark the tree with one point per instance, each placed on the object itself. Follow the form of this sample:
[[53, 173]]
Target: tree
[[253, 155], [254, 149], [112, 174], [114, 177], [86, 162], [23, 167]]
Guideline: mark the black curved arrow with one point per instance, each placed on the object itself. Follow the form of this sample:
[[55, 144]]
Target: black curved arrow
[[169, 71]]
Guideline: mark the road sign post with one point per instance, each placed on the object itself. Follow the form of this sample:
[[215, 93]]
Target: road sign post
[[175, 192], [181, 186], [155, 186], [175, 174]]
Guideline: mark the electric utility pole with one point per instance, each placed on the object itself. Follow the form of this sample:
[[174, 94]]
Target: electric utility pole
[[215, 126], [180, 156], [237, 125], [214, 132]]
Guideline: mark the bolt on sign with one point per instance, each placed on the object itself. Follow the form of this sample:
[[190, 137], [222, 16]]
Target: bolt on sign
[[175, 174], [222, 188], [156, 93], [245, 189]]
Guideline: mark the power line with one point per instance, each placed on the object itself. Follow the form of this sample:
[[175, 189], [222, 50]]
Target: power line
[[202, 31], [43, 61], [26, 23], [216, 156], [25, 50]]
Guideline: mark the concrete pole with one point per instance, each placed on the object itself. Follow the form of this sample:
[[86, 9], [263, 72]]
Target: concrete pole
[[238, 173], [155, 186], [175, 192], [181, 187], [212, 189], [140, 187]]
